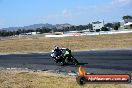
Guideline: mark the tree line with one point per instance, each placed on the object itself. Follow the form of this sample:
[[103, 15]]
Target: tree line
[[42, 30], [4, 33]]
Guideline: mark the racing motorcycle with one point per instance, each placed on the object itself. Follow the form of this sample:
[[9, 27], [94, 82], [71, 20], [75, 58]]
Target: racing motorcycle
[[62, 59]]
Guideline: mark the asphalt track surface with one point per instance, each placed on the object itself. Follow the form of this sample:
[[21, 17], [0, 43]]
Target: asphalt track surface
[[100, 61]]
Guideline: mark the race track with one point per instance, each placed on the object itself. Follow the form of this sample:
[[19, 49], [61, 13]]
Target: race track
[[100, 61]]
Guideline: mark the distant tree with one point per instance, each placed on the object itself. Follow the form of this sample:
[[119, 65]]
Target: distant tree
[[104, 29], [4, 33], [66, 29], [72, 28], [38, 29], [116, 26], [109, 25], [23, 30], [29, 30], [127, 17], [81, 27], [13, 33], [45, 30], [9, 33], [86, 27], [77, 28], [0, 33], [54, 29], [97, 30], [17, 32]]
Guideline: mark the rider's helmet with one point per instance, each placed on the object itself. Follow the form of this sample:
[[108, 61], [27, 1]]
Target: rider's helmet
[[67, 49], [56, 48]]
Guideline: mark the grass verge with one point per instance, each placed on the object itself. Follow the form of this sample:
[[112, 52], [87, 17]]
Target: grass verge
[[42, 44], [44, 80]]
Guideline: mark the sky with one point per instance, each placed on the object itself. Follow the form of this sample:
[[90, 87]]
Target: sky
[[16, 13]]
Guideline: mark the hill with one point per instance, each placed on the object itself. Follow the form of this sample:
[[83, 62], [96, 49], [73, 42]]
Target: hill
[[35, 26]]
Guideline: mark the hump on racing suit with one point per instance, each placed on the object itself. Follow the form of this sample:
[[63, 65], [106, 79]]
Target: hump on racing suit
[[66, 51]]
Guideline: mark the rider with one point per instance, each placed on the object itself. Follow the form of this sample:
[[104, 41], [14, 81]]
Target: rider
[[64, 52], [57, 51], [67, 52]]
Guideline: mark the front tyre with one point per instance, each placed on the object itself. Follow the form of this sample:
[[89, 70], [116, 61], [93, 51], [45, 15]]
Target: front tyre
[[81, 80], [62, 63]]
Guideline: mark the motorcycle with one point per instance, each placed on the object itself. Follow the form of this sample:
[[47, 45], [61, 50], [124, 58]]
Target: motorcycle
[[63, 59]]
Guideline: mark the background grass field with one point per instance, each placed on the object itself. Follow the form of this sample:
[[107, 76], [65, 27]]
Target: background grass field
[[42, 44]]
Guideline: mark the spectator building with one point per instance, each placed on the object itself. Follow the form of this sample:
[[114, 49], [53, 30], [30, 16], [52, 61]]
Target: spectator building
[[97, 25]]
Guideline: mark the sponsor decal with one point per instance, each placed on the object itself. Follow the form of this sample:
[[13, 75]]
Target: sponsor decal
[[83, 77]]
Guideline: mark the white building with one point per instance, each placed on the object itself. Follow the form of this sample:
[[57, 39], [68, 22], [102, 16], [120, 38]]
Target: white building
[[32, 33], [126, 24], [97, 25], [128, 20]]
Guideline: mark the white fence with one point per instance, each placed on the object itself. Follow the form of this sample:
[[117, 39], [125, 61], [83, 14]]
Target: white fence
[[90, 33], [50, 36], [107, 32]]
